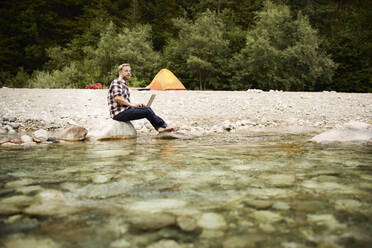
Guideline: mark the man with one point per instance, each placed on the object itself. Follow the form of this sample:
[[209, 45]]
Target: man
[[122, 109]]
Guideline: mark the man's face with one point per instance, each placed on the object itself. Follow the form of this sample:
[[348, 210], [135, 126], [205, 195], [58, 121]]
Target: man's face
[[125, 72]]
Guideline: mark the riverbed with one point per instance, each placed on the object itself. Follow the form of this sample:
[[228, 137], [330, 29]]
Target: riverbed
[[258, 189]]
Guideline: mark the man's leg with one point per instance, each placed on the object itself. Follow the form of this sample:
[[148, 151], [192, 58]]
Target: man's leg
[[140, 113]]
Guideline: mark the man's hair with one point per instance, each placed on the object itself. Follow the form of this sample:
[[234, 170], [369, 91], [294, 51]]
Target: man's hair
[[121, 66]]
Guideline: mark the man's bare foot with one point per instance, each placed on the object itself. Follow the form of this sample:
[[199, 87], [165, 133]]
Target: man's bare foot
[[168, 129]]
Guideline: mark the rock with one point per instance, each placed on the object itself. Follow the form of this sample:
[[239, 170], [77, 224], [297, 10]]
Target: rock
[[73, 133], [164, 244], [18, 241], [15, 125], [238, 242], [156, 205], [101, 178], [267, 228], [29, 189], [280, 180], [19, 183], [152, 221], [111, 129], [12, 119], [186, 223], [354, 132], [53, 140], [267, 216], [327, 220], [53, 203], [349, 205], [18, 200], [120, 243], [40, 136], [258, 204], [212, 221], [3, 131], [26, 139], [9, 208], [281, 206], [211, 234]]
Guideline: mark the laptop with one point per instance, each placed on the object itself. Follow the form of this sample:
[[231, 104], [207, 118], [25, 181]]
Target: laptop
[[150, 100]]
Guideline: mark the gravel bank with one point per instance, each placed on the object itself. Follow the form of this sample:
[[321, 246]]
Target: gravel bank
[[25, 110]]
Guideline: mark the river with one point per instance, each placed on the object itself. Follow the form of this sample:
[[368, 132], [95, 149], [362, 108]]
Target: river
[[226, 190]]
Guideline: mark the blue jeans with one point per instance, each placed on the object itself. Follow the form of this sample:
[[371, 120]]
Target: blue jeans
[[131, 114]]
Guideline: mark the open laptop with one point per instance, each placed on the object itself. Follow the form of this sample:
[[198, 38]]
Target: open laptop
[[150, 101]]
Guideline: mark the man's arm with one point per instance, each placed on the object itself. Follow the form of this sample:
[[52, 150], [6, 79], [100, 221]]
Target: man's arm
[[122, 101]]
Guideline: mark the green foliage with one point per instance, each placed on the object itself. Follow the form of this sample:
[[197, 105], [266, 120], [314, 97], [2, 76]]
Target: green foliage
[[282, 52], [201, 47], [68, 77], [17, 81], [90, 64], [223, 44]]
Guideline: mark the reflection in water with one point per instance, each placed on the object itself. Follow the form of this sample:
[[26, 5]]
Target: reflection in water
[[257, 190]]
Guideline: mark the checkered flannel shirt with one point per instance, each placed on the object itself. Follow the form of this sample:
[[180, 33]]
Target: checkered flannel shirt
[[118, 87]]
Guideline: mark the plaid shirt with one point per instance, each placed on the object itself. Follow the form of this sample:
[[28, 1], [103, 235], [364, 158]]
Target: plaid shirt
[[118, 87]]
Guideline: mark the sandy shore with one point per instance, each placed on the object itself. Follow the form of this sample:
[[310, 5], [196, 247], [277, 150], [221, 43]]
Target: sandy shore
[[194, 111]]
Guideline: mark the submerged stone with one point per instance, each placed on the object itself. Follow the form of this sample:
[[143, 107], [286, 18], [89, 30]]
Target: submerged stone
[[101, 178], [267, 216], [348, 205], [280, 180], [212, 221], [19, 183], [152, 221], [18, 241], [156, 205], [53, 203], [164, 244], [187, 223], [327, 220], [239, 242], [120, 243]]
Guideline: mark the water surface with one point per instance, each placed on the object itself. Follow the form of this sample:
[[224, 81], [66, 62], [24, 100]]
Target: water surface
[[258, 190]]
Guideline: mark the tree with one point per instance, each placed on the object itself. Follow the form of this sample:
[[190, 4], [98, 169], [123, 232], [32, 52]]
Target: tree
[[283, 52], [201, 49]]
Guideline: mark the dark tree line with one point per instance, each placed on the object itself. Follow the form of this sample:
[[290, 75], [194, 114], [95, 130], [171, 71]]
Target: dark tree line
[[209, 44]]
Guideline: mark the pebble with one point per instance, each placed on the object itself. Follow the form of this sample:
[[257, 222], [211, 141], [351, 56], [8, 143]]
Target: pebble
[[187, 223], [120, 243], [267, 216], [40, 135], [101, 178], [212, 221]]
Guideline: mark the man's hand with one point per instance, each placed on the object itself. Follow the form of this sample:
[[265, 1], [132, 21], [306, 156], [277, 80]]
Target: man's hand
[[138, 105]]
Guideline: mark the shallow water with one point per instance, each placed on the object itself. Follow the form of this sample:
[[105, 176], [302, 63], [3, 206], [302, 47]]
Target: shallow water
[[263, 190]]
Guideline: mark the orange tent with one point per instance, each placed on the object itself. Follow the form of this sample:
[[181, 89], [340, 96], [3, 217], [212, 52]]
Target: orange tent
[[165, 80]]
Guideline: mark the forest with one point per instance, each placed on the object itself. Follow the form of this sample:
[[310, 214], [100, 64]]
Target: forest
[[290, 45]]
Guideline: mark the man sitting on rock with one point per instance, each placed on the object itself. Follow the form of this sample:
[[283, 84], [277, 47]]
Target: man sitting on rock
[[121, 108]]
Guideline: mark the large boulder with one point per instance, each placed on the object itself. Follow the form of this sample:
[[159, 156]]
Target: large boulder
[[111, 129], [73, 133], [354, 132]]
